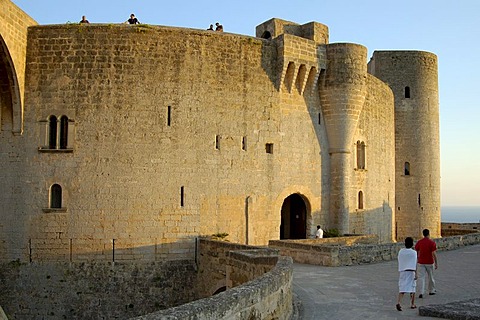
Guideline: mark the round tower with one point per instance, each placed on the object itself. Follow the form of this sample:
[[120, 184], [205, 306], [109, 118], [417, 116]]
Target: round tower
[[413, 78], [342, 93]]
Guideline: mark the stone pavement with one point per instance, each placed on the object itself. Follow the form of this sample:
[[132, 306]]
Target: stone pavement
[[370, 291]]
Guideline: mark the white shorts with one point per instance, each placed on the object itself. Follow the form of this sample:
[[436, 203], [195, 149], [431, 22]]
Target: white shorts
[[407, 282]]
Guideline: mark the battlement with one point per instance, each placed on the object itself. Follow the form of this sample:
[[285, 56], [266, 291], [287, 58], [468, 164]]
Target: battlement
[[275, 27]]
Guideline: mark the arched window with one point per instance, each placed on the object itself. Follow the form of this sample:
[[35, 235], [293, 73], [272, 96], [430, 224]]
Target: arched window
[[56, 196], [407, 92], [360, 155], [360, 200], [63, 132], [407, 168], [267, 35], [52, 132]]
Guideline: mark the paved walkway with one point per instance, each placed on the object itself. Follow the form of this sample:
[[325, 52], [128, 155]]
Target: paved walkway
[[370, 291]]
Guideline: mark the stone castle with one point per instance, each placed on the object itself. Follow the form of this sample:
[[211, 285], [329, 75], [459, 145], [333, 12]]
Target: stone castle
[[126, 143]]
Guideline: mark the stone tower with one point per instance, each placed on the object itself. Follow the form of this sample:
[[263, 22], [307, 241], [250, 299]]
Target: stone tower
[[342, 92], [413, 77]]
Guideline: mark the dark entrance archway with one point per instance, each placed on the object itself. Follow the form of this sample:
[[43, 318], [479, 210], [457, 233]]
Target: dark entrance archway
[[294, 218]]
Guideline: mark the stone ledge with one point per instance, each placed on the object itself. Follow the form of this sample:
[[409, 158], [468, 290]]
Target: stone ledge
[[460, 310], [266, 297]]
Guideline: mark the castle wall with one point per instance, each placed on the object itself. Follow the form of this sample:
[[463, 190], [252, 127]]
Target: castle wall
[[342, 90], [93, 290], [13, 43], [140, 181], [175, 133], [376, 180], [417, 138]]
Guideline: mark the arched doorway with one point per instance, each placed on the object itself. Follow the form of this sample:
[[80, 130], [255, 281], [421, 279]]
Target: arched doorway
[[294, 218]]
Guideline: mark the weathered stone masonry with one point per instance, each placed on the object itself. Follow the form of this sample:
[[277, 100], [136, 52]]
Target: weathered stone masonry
[[137, 139]]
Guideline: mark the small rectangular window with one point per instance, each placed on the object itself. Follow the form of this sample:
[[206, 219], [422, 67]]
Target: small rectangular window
[[217, 142], [169, 116], [244, 143], [182, 196], [269, 148], [319, 118]]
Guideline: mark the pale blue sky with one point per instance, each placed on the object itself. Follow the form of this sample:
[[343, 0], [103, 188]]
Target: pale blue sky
[[447, 28]]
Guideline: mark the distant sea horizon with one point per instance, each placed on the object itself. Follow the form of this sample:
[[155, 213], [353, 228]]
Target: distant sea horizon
[[460, 214]]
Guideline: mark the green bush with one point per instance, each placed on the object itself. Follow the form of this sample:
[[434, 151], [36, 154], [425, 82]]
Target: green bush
[[331, 233]]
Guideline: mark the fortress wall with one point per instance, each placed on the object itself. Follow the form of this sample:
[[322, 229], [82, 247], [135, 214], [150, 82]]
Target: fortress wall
[[122, 183], [303, 137], [13, 42], [262, 287], [342, 90], [417, 140], [95, 290], [13, 31], [377, 180]]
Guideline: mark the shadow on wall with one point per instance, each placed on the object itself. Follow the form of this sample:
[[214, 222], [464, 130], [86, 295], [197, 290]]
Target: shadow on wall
[[113, 250], [101, 289], [95, 288]]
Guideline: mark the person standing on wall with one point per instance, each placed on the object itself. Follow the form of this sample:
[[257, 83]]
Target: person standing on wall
[[84, 20], [407, 280], [427, 261], [133, 19], [319, 233]]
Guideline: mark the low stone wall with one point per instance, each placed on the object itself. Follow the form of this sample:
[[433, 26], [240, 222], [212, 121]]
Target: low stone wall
[[266, 297], [455, 242], [212, 262], [453, 229], [327, 253], [95, 290]]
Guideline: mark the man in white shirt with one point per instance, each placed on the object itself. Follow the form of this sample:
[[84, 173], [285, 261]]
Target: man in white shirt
[[319, 233]]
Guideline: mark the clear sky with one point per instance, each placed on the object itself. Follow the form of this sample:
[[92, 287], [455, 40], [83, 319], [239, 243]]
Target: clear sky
[[450, 29]]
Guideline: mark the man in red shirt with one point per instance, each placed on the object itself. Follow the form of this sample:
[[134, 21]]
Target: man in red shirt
[[427, 260]]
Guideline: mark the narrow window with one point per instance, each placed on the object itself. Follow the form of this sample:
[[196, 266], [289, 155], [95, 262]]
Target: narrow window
[[319, 118], [63, 132], [407, 168], [52, 132], [244, 143], [407, 92], [269, 148], [217, 142], [169, 116], [419, 200], [360, 155], [360, 200], [56, 196], [182, 196]]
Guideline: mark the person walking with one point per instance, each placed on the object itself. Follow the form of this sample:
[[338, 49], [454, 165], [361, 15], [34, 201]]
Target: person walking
[[407, 280], [427, 261]]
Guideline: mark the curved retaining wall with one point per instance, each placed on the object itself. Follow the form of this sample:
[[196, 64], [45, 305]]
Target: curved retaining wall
[[267, 297]]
